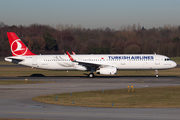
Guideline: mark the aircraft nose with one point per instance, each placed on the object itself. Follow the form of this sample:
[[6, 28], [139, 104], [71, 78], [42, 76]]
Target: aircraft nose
[[174, 64]]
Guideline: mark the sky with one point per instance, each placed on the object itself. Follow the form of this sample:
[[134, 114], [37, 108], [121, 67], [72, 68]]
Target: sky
[[91, 13]]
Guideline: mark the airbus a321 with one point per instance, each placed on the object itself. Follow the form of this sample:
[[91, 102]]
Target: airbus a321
[[104, 64]]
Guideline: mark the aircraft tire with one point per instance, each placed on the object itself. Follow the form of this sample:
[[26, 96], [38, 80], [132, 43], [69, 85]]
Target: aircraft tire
[[157, 76], [91, 75]]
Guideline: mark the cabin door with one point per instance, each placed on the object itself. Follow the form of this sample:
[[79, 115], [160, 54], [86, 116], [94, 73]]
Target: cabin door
[[157, 60], [34, 62]]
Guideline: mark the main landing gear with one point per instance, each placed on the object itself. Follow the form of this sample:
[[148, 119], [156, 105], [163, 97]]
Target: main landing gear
[[156, 72], [91, 75]]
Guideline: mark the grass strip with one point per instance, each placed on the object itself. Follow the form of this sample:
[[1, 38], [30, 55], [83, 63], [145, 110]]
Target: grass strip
[[12, 82], [176, 59], [27, 71], [6, 63], [158, 97]]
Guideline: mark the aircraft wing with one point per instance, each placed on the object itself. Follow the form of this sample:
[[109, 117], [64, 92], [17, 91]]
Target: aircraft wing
[[86, 64]]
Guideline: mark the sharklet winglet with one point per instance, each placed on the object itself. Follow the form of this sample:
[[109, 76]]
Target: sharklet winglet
[[70, 57]]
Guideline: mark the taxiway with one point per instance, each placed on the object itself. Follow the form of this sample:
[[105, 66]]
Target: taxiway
[[15, 100]]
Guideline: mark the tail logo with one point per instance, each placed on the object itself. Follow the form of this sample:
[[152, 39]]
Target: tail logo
[[18, 48]]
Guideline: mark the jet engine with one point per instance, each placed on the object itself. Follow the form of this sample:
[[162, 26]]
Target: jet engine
[[107, 71]]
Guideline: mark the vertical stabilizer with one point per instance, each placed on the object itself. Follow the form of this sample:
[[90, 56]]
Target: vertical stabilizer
[[18, 48]]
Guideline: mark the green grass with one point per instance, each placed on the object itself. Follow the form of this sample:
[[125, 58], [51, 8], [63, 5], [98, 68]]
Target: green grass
[[10, 82], [6, 63], [176, 59], [159, 97], [27, 71], [168, 72]]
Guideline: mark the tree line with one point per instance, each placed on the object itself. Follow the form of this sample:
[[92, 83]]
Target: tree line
[[46, 39]]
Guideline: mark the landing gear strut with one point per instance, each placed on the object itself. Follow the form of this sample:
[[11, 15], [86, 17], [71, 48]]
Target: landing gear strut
[[156, 72], [91, 75]]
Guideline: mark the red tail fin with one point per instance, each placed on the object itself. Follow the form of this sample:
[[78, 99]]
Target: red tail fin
[[18, 48]]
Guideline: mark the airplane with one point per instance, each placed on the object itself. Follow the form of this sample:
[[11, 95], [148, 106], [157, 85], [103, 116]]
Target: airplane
[[104, 64]]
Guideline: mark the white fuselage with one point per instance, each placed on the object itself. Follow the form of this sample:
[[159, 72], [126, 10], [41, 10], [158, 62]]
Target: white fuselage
[[120, 61]]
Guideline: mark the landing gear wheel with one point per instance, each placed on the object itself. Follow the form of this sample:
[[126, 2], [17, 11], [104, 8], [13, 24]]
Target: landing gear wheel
[[157, 75], [91, 75], [156, 72]]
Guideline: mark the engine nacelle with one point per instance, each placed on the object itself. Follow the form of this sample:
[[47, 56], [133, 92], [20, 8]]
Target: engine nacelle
[[107, 71]]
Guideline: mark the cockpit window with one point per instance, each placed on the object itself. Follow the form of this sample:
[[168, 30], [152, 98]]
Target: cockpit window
[[167, 59]]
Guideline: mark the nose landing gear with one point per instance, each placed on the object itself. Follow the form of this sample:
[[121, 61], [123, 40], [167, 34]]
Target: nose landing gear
[[156, 72]]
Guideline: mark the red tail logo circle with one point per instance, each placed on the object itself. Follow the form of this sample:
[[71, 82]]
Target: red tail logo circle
[[18, 48]]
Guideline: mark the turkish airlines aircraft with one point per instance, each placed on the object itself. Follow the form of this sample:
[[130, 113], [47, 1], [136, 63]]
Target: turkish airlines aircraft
[[103, 64]]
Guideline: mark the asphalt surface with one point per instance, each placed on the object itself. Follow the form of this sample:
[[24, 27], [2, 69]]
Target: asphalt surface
[[15, 100]]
